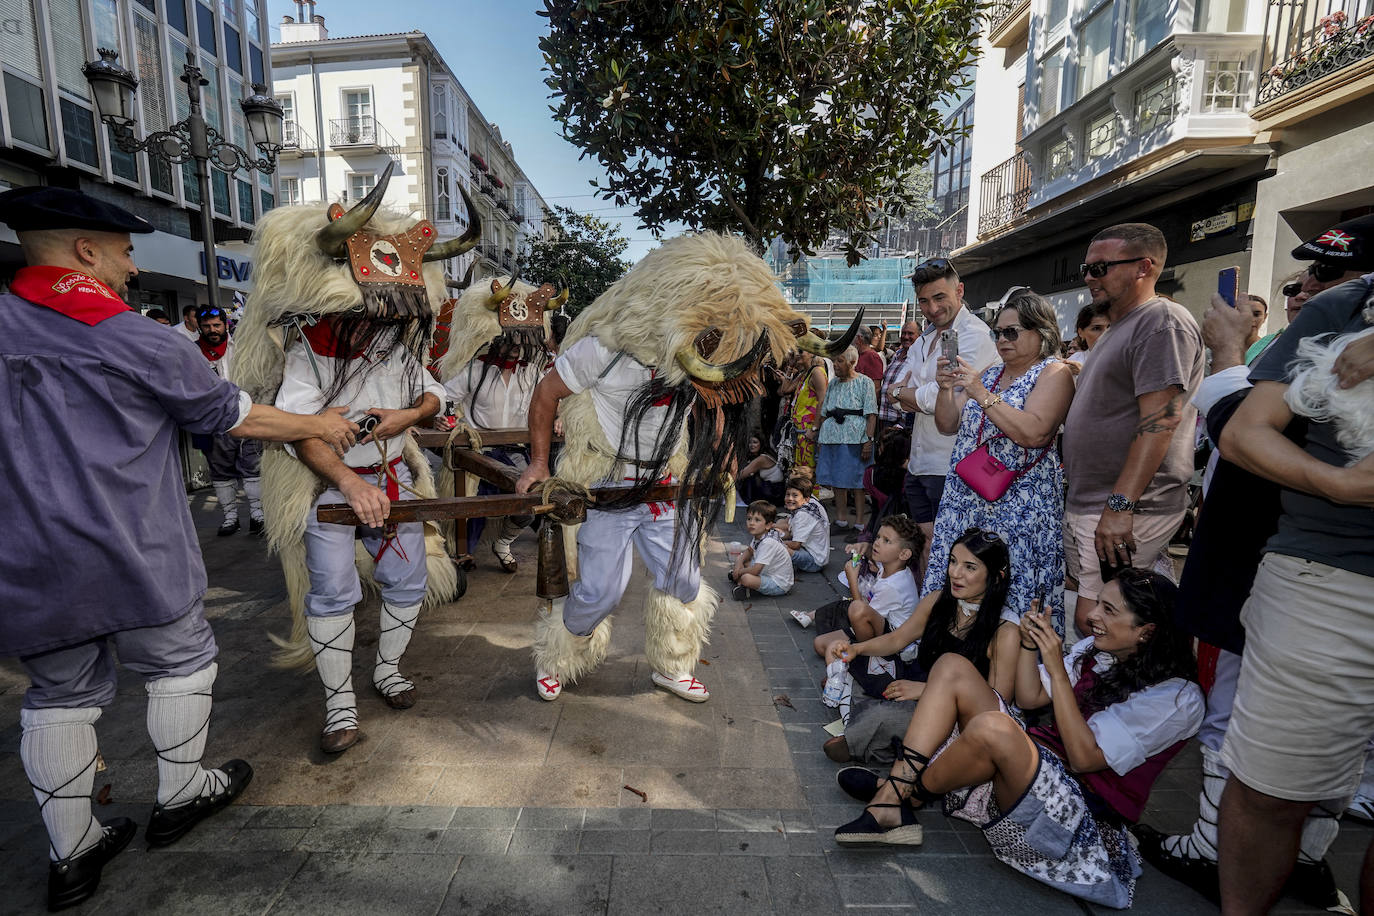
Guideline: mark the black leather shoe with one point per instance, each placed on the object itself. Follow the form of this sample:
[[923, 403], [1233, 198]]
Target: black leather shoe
[[228, 528], [167, 824], [72, 881], [1199, 874], [858, 782], [256, 526], [1315, 885]]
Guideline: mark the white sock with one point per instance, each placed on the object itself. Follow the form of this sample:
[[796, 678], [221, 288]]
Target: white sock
[[331, 639], [227, 495], [397, 625], [252, 488], [179, 723], [1202, 842], [58, 749]]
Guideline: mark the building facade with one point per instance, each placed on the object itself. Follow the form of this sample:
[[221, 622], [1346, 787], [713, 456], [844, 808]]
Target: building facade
[[355, 104], [49, 133]]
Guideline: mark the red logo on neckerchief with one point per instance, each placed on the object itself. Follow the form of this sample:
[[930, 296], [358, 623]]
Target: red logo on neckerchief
[[1336, 239], [74, 294]]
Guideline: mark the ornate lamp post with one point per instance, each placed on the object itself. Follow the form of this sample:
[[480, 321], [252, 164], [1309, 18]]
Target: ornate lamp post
[[113, 88]]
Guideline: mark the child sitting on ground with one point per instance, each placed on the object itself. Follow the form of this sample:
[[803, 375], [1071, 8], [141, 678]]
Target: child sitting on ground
[[765, 565], [883, 604], [806, 535]]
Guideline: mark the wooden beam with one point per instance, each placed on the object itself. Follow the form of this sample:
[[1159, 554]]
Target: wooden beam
[[464, 507], [501, 476], [438, 438]]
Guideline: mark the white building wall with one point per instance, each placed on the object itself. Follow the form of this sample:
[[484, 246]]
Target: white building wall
[[994, 118]]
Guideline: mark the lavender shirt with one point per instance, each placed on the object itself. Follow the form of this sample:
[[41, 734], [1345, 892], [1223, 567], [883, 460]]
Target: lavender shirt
[[95, 532]]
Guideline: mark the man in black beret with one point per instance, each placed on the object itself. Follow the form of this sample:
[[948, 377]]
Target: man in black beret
[[93, 481]]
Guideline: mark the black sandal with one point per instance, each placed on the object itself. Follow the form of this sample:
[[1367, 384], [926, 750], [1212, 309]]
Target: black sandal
[[865, 830]]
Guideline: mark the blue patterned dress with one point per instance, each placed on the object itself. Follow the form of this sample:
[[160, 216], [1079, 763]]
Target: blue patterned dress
[[1029, 516]]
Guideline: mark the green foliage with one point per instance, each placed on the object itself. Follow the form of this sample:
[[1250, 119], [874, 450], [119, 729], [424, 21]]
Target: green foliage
[[583, 255], [791, 118]]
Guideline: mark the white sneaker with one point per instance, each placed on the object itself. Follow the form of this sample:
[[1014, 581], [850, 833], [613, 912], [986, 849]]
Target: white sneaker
[[802, 618], [687, 687], [1361, 809], [547, 686]]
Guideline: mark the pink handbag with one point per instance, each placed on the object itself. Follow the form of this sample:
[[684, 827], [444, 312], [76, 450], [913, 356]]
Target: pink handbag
[[984, 473]]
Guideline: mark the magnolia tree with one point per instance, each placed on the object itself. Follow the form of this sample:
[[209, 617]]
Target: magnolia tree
[[791, 118], [582, 253]]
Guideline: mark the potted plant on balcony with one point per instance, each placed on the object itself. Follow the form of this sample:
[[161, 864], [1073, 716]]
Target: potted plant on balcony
[[478, 161], [1334, 44]]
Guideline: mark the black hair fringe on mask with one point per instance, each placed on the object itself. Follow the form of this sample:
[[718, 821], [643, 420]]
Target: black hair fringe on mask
[[359, 334], [525, 344]]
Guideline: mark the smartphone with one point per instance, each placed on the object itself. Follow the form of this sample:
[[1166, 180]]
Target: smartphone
[[1228, 282], [949, 346]]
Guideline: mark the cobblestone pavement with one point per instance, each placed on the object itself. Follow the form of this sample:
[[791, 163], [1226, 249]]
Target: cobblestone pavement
[[483, 799]]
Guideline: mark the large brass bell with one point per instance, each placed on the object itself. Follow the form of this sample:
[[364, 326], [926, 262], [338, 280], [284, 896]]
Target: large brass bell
[[551, 580]]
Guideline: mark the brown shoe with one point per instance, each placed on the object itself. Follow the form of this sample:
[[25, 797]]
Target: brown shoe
[[837, 749], [403, 700], [336, 742]]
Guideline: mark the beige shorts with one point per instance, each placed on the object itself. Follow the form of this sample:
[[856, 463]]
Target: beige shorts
[[1152, 535], [1304, 707]]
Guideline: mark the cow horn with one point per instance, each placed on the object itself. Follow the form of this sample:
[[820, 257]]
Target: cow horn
[[459, 285], [442, 251], [561, 299], [701, 370], [822, 347], [499, 295], [332, 237]]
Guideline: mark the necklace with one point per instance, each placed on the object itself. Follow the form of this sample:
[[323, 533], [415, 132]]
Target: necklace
[[967, 608]]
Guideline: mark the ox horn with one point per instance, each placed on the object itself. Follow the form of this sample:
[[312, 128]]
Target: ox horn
[[822, 347], [499, 295], [561, 299], [442, 251], [459, 285], [701, 370], [332, 237]]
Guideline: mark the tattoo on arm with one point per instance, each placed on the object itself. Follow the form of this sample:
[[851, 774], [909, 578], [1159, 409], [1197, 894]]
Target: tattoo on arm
[[1165, 419]]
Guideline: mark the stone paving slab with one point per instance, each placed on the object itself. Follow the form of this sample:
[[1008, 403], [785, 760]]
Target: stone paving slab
[[483, 799]]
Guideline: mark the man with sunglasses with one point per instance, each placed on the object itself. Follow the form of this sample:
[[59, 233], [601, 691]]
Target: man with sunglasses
[[1128, 438], [940, 297], [233, 461]]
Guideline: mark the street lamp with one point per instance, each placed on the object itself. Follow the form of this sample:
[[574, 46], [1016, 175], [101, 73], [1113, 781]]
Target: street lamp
[[113, 87]]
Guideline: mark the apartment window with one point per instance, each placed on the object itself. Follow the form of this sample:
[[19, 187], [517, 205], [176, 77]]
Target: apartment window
[[1219, 16], [105, 24], [440, 113], [1094, 50], [255, 68], [210, 94], [78, 133], [219, 181], [291, 191], [1226, 85], [190, 187], [122, 164], [28, 121], [1102, 135], [289, 128], [149, 5], [1156, 104], [1056, 14], [69, 46], [230, 8], [952, 165], [268, 200], [1058, 159], [205, 27], [1149, 25], [245, 191], [233, 48], [360, 184], [443, 207], [176, 16], [357, 103], [1052, 82]]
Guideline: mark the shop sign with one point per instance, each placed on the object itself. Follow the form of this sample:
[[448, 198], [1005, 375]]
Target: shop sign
[[228, 268], [1212, 225]]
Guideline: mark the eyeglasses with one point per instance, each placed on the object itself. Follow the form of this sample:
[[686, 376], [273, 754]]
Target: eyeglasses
[[1099, 268], [1291, 290], [1325, 273], [1009, 333]]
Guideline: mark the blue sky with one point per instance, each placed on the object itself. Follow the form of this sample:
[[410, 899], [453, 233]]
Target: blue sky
[[493, 48]]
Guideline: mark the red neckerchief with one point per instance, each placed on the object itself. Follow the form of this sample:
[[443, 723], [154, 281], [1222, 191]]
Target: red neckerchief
[[74, 294], [323, 340], [216, 353], [504, 365]]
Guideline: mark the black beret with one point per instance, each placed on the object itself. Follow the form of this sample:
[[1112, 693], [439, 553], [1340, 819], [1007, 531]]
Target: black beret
[[38, 208], [1349, 245]]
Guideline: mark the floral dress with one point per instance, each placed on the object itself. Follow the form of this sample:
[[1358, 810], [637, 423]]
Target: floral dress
[[806, 417], [1029, 516]]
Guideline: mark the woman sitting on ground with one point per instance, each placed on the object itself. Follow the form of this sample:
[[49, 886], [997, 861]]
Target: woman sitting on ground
[[966, 617], [1053, 802], [762, 476]]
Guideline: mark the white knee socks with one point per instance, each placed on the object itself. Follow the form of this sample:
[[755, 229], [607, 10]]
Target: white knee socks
[[397, 625], [58, 749], [331, 639], [252, 488], [227, 495], [179, 723], [505, 536]]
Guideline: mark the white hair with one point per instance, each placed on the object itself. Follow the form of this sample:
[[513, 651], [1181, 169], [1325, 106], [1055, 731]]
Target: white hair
[[1315, 392]]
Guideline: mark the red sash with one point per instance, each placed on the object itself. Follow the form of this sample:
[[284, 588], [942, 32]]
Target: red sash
[[70, 292]]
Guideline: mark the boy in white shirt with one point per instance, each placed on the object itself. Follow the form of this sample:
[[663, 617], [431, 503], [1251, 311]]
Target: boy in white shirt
[[883, 604], [765, 565], [806, 535]]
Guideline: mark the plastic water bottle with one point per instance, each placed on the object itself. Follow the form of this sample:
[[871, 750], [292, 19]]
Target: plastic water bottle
[[835, 674]]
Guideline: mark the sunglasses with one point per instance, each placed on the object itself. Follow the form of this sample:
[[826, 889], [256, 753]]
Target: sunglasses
[[210, 313], [932, 269], [1292, 289], [1009, 333], [1099, 268], [1325, 273], [985, 533]]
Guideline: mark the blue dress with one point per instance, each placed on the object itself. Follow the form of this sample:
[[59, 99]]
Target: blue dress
[[1029, 516]]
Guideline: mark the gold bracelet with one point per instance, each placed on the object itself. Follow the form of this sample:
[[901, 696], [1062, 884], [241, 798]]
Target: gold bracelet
[[992, 401]]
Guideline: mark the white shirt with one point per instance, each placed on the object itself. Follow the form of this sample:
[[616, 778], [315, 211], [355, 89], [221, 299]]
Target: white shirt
[[221, 366], [813, 531], [930, 450], [1213, 388], [893, 597], [588, 364], [777, 562], [1146, 722], [186, 332], [500, 403], [387, 385], [1079, 357]]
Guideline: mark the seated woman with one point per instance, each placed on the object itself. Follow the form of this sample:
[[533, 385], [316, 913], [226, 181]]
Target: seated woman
[[965, 617], [761, 477], [1053, 802]]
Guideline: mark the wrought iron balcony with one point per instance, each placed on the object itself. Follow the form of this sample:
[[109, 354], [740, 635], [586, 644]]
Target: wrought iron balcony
[[1005, 191], [1309, 40], [361, 132], [295, 140], [1005, 20]]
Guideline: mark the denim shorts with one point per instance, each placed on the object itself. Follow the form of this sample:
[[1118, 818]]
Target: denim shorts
[[803, 560], [772, 587]]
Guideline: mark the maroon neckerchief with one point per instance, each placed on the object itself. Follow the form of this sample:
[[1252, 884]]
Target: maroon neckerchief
[[70, 292], [324, 341], [216, 353]]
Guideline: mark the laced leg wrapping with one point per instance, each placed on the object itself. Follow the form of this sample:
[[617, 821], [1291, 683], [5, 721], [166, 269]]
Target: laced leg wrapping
[[179, 723], [252, 488], [1201, 842], [331, 640], [505, 536], [227, 495], [397, 626], [58, 749]]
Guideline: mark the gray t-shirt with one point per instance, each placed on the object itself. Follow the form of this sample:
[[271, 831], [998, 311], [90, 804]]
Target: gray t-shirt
[[1156, 345], [1313, 528]]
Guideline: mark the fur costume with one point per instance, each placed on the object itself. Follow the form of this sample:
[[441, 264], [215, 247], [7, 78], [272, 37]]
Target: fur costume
[[1315, 391], [706, 314], [303, 273]]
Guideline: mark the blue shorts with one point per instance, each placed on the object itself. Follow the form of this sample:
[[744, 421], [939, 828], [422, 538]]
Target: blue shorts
[[803, 561], [772, 587], [922, 495]]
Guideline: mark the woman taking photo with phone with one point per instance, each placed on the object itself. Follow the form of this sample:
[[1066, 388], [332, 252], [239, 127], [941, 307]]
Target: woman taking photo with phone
[[1004, 473]]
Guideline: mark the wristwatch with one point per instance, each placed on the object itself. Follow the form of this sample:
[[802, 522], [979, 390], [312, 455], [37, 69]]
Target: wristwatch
[[1118, 502], [896, 391]]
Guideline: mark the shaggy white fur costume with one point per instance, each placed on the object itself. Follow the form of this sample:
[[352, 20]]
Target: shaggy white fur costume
[[1315, 392]]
